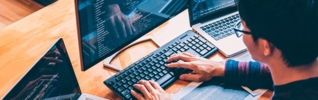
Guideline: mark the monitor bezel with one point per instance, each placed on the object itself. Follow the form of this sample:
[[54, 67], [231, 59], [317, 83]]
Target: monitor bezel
[[84, 68]]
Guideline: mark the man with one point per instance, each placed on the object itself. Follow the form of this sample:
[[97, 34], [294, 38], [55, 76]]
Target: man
[[282, 34]]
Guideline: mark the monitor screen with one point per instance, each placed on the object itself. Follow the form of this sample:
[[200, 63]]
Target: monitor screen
[[204, 8], [52, 77], [106, 26]]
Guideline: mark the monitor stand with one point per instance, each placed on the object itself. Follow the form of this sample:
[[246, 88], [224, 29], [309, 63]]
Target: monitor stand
[[110, 58]]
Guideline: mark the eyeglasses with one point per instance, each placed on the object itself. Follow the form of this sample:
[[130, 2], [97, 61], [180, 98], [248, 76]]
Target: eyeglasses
[[238, 29]]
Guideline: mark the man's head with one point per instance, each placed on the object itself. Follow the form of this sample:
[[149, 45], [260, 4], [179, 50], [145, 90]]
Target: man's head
[[287, 26]]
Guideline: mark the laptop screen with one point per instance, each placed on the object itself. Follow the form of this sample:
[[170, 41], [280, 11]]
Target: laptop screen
[[52, 77], [203, 8]]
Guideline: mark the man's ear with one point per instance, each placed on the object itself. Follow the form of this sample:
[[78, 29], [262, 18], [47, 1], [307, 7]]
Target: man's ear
[[245, 26], [267, 47]]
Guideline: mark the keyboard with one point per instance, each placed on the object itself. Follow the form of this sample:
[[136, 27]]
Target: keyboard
[[222, 28], [152, 66]]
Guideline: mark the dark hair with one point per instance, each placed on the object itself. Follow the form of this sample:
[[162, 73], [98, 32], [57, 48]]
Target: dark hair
[[289, 25]]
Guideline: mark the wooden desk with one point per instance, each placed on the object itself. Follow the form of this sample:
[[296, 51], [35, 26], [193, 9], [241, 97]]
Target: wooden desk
[[24, 42]]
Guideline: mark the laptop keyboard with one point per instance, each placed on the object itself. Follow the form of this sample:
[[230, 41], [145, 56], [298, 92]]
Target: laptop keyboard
[[222, 28], [152, 67]]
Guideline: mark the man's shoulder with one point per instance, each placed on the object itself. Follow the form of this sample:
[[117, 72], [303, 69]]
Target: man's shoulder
[[301, 90]]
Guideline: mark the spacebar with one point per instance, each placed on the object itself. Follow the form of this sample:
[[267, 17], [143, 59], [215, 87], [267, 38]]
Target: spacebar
[[164, 79]]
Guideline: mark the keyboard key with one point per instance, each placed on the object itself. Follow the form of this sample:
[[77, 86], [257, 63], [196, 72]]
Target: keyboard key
[[200, 43], [142, 75], [159, 70], [130, 83], [155, 72], [146, 72], [175, 49], [147, 78], [135, 73], [178, 47], [197, 45], [182, 50], [151, 75], [115, 86], [128, 78], [124, 80], [197, 50], [134, 80], [164, 79], [186, 47], [201, 48], [138, 78], [209, 48], [125, 92], [162, 62], [120, 89], [204, 45], [130, 88], [161, 74], [182, 44], [120, 83], [126, 85], [165, 72], [157, 77], [144, 68], [128, 96], [203, 52], [154, 67]]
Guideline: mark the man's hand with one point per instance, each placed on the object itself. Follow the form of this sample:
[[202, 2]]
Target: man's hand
[[203, 69], [150, 90], [120, 25]]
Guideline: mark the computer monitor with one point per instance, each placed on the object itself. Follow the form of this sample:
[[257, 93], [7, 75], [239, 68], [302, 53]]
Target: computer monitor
[[106, 26]]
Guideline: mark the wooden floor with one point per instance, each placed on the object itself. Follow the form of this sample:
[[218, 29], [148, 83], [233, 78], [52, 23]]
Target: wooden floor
[[14, 10]]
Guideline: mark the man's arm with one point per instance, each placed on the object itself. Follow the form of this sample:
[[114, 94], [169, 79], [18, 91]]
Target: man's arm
[[251, 74]]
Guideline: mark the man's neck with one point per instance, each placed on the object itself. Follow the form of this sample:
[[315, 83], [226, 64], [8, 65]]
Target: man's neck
[[282, 74]]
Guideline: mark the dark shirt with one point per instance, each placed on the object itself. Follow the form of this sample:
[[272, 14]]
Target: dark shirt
[[256, 75]]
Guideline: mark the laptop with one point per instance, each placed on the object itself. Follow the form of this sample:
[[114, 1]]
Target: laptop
[[51, 78], [145, 14], [215, 20]]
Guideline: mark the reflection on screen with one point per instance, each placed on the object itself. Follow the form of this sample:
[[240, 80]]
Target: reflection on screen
[[202, 8], [108, 25], [51, 77]]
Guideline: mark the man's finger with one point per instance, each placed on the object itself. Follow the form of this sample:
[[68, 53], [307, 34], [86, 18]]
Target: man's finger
[[147, 85], [156, 85], [136, 95], [115, 31], [129, 27], [179, 64], [188, 54], [121, 27], [191, 77], [143, 90], [179, 56]]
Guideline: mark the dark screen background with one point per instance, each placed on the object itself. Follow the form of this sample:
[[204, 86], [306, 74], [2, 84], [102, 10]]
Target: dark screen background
[[108, 25]]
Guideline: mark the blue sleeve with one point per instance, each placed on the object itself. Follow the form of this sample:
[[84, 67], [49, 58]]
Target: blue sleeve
[[251, 74]]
